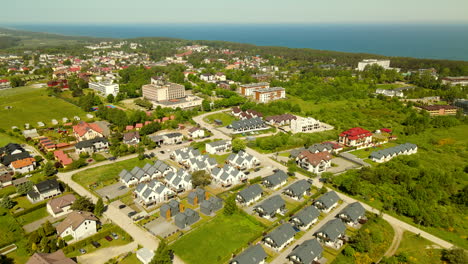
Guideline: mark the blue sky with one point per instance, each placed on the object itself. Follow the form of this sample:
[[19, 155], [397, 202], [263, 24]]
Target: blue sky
[[233, 11]]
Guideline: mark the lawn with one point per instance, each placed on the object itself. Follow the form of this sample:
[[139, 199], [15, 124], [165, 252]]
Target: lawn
[[107, 174], [33, 216], [5, 139], [30, 105], [10, 230], [130, 259], [225, 118], [220, 158], [417, 249], [215, 241]]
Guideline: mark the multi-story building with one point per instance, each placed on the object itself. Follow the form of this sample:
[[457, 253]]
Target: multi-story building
[[4, 84], [440, 110], [301, 124], [383, 63], [248, 89], [266, 95], [356, 137], [461, 80], [160, 90], [105, 88]]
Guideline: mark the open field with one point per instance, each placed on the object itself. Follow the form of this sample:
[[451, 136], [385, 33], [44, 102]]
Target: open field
[[215, 241], [5, 139], [418, 249], [106, 175], [10, 230], [31, 105], [225, 118]]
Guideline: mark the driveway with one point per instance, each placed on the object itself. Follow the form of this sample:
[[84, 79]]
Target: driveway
[[161, 227], [113, 191], [354, 159], [343, 165], [103, 255]]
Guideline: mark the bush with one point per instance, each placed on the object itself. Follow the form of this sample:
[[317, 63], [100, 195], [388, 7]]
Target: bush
[[256, 180], [28, 210]]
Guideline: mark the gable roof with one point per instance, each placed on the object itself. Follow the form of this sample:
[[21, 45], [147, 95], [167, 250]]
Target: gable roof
[[84, 127], [299, 188], [307, 215], [47, 185], [333, 229], [354, 211], [307, 251], [58, 257], [272, 204], [90, 142], [315, 158], [282, 234], [252, 255], [57, 204], [18, 164], [74, 220], [251, 192], [329, 199], [277, 178]]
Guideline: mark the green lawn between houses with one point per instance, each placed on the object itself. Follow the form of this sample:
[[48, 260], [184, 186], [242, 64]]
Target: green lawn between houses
[[107, 174], [215, 241], [225, 118], [31, 105]]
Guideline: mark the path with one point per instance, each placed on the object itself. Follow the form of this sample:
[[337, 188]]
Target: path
[[36, 224], [103, 255], [397, 237]]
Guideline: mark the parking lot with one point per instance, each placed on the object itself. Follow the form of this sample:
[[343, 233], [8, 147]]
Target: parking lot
[[113, 191], [161, 227], [342, 165]]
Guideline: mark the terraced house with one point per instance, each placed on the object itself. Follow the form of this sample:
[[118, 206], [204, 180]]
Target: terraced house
[[151, 193], [390, 153]]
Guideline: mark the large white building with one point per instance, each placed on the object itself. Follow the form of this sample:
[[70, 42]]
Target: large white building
[[383, 63], [160, 90], [461, 80], [304, 125], [105, 88]]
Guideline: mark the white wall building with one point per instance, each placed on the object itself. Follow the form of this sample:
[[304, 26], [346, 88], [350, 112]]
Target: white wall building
[[383, 63], [105, 88], [304, 125]]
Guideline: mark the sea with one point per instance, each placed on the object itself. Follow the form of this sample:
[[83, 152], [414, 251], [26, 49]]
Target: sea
[[432, 41]]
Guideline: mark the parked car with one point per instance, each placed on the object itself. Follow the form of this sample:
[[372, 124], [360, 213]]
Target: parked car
[[122, 187], [82, 251], [132, 213], [122, 206], [112, 158], [95, 244], [115, 236], [162, 152], [108, 238]]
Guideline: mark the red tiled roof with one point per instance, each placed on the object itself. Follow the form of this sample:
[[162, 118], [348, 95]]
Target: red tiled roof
[[147, 122], [4, 81], [62, 145], [23, 163], [128, 127], [355, 133], [83, 127], [62, 157], [315, 158], [139, 125]]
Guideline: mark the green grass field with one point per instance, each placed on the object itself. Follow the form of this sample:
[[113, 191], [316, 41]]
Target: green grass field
[[106, 175], [225, 118], [10, 230], [130, 259], [215, 241], [5, 139], [33, 216], [31, 105], [418, 249]]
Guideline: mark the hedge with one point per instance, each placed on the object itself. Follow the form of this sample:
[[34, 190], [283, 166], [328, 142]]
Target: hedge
[[31, 209]]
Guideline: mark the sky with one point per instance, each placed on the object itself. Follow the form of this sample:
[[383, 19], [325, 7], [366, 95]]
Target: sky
[[232, 11]]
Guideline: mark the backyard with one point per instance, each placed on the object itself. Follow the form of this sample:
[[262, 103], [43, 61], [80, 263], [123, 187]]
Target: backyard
[[215, 241], [31, 105]]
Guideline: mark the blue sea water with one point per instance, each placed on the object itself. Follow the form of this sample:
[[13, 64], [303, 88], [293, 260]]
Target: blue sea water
[[447, 41]]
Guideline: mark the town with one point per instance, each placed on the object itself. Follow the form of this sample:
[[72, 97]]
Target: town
[[207, 152]]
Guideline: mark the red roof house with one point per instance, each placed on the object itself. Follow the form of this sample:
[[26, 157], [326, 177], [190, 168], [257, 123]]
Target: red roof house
[[356, 137], [85, 131], [62, 157]]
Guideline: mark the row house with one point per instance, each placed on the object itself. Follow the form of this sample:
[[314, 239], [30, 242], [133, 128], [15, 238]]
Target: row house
[[149, 172], [227, 176], [243, 161], [218, 146], [390, 153], [202, 162], [179, 181], [153, 192], [248, 125], [184, 154], [280, 120]]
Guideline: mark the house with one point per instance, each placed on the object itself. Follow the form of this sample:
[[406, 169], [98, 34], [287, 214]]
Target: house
[[6, 180], [4, 84], [280, 120], [218, 146], [180, 181], [23, 165], [308, 252], [389, 153], [270, 207], [173, 138], [171, 209], [227, 176], [305, 125], [327, 201], [131, 138], [92, 146], [252, 255], [249, 195], [352, 213], [332, 233], [58, 257], [280, 237], [242, 160], [149, 172], [211, 205], [78, 224], [197, 196], [153, 192], [63, 158], [314, 162], [186, 218], [248, 125], [44, 190], [355, 137], [298, 189], [440, 110], [9, 158], [276, 180], [84, 131], [61, 205], [11, 149], [201, 162], [145, 255], [206, 77], [196, 132], [306, 217]]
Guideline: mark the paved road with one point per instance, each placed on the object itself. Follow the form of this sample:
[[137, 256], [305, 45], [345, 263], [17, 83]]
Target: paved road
[[281, 258]]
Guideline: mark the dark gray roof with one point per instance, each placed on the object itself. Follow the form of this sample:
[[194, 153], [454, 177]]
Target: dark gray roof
[[307, 251], [247, 123], [251, 192], [173, 135], [272, 204], [299, 188], [333, 229], [307, 215], [282, 234], [252, 255], [328, 199], [354, 211], [89, 143], [277, 178], [47, 185], [393, 150], [217, 143], [7, 160]]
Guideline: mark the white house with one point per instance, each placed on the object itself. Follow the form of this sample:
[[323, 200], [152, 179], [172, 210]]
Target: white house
[[196, 132], [78, 224], [23, 165], [145, 255], [227, 176], [389, 153], [153, 192], [243, 160], [179, 181], [218, 146], [304, 125], [314, 162], [44, 190], [61, 205]]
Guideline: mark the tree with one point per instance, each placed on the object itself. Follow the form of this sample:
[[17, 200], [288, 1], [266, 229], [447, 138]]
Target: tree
[[230, 206], [99, 208], [455, 256], [200, 178], [49, 229], [110, 98], [163, 254], [49, 169], [238, 145], [6, 202], [23, 189], [83, 203]]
